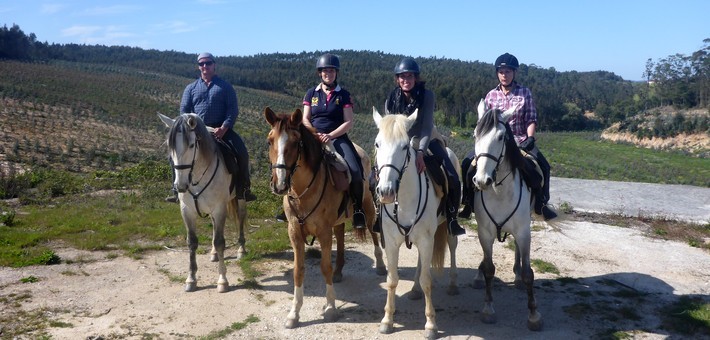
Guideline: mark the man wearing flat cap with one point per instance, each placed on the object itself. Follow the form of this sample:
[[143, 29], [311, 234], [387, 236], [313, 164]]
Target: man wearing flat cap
[[215, 101]]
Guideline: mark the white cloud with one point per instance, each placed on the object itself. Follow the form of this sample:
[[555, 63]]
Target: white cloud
[[175, 26], [50, 8], [110, 10], [80, 31]]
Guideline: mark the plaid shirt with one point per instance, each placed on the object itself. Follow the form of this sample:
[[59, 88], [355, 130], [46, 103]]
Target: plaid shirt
[[524, 115], [216, 104]]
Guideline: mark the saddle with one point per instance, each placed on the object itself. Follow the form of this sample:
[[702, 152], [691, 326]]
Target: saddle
[[438, 178], [337, 168], [230, 162]]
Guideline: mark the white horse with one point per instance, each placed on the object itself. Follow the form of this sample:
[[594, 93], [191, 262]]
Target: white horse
[[502, 205], [409, 213], [203, 184]]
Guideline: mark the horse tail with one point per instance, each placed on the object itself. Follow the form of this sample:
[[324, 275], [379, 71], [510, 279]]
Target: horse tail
[[233, 210], [441, 243]]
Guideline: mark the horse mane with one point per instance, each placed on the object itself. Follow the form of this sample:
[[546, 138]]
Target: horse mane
[[205, 143], [487, 122], [312, 146], [394, 127]]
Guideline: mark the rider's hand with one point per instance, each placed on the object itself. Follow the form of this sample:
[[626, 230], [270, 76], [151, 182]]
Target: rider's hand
[[420, 161], [220, 131], [528, 144]]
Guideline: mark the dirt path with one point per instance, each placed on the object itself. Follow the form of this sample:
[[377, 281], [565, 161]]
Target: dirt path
[[616, 279]]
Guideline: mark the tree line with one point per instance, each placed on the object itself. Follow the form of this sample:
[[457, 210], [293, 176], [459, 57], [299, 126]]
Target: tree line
[[563, 98]]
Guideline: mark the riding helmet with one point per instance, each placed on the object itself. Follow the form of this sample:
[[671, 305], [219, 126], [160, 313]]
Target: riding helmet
[[328, 60], [406, 65], [508, 60]]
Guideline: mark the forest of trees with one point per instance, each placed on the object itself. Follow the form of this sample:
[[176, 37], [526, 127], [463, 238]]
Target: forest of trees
[[563, 98]]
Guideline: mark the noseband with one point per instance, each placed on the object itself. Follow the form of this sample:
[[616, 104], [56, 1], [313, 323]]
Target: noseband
[[494, 158]]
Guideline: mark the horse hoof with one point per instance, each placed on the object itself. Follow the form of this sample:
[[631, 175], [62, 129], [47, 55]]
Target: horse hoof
[[386, 328], [223, 288], [190, 287], [452, 290], [430, 334], [414, 295], [291, 323], [381, 271], [337, 277], [489, 318], [214, 258], [535, 322], [479, 284], [330, 314]]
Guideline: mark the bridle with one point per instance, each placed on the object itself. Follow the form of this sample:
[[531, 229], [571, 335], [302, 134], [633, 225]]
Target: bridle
[[498, 160], [404, 230], [191, 166]]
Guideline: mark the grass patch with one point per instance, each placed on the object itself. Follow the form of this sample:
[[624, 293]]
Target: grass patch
[[688, 316], [541, 266], [221, 334]]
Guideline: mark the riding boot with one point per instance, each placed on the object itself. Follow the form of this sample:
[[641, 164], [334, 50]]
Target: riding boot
[[377, 227], [452, 209], [244, 180], [356, 194]]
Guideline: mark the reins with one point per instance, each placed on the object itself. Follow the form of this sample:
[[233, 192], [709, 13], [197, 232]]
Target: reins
[[191, 166], [405, 230]]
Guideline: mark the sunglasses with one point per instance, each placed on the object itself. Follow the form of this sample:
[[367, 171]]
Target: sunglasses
[[206, 63]]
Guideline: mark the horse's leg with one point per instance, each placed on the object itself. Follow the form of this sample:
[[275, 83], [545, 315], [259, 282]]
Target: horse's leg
[[339, 231], [299, 254], [453, 288], [218, 243], [191, 281], [241, 206], [416, 292], [488, 314], [425, 257], [517, 266], [528, 277], [330, 313], [392, 251]]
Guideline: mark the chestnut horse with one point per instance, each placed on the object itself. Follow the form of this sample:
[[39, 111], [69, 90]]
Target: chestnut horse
[[312, 203]]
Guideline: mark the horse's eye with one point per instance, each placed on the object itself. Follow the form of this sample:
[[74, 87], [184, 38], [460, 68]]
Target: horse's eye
[[377, 145]]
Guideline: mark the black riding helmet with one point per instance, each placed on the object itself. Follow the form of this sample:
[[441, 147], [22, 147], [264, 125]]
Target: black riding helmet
[[508, 60], [406, 65], [328, 60]]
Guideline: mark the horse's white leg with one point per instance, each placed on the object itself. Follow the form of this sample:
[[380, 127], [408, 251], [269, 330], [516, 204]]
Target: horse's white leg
[[517, 266], [488, 314], [528, 278], [416, 292], [218, 243], [453, 288], [330, 313], [241, 220], [392, 251], [425, 255], [191, 281], [298, 273]]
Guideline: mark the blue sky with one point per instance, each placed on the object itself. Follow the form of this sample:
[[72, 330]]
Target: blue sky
[[617, 36]]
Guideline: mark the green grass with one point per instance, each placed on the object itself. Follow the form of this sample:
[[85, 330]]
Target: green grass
[[584, 155]]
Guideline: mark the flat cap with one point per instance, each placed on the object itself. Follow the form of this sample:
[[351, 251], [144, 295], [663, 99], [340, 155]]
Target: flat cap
[[204, 55]]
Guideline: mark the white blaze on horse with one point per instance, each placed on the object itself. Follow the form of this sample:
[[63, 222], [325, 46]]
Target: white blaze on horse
[[313, 204], [502, 205], [203, 184], [409, 213]]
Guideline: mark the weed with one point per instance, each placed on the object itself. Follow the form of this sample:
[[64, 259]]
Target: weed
[[544, 266], [29, 279]]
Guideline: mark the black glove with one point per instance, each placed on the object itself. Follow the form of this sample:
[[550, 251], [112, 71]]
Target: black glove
[[528, 144]]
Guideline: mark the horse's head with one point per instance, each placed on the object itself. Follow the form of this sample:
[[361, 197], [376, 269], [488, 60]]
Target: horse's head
[[393, 153], [493, 138], [285, 147], [190, 147]]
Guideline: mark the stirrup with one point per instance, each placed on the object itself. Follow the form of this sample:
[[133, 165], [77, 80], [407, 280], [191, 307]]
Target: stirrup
[[359, 219]]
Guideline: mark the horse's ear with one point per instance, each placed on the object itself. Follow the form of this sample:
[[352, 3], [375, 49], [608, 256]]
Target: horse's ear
[[270, 116], [505, 116], [296, 118], [376, 117], [192, 121], [481, 108], [412, 118], [166, 120]]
